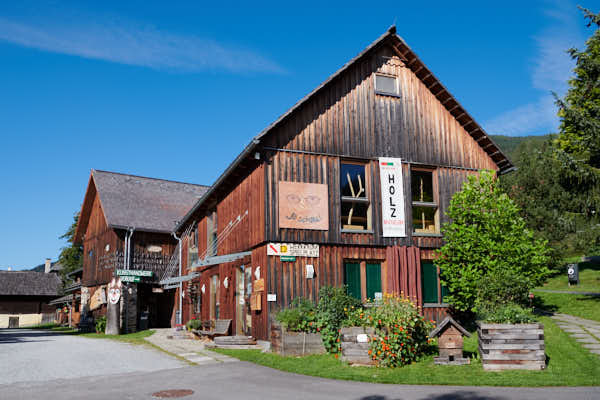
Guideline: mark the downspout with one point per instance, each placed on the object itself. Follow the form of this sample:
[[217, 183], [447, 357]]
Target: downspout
[[128, 244], [179, 318]]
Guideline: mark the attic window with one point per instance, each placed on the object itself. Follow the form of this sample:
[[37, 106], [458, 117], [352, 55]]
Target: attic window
[[386, 85]]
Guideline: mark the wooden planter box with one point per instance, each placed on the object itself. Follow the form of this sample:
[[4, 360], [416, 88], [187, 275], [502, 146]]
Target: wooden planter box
[[512, 346], [353, 351], [295, 343]]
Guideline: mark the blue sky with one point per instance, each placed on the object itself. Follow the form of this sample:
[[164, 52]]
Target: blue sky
[[175, 90]]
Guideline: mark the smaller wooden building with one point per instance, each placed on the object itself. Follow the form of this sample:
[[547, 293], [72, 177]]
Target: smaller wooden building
[[126, 224], [24, 298]]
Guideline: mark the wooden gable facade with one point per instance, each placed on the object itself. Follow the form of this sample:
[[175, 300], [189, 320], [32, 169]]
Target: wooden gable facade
[[346, 124], [126, 223]]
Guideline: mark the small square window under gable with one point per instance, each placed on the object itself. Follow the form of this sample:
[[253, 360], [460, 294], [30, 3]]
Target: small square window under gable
[[387, 85]]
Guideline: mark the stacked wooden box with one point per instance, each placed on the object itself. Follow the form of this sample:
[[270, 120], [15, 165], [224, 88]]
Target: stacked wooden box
[[355, 350], [295, 343], [512, 346]]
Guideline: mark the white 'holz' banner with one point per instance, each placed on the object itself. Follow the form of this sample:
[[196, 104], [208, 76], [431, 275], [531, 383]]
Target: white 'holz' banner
[[392, 197]]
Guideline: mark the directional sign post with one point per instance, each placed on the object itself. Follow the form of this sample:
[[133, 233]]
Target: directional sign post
[[134, 272], [130, 279]]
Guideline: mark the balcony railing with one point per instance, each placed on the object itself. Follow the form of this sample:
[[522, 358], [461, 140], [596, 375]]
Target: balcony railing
[[155, 262]]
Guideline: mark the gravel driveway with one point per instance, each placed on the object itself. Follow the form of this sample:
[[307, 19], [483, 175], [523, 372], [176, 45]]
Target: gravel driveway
[[38, 355]]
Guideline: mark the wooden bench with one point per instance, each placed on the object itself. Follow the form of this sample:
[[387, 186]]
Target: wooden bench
[[219, 327]]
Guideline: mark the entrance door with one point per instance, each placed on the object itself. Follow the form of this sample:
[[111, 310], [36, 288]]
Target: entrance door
[[243, 316]]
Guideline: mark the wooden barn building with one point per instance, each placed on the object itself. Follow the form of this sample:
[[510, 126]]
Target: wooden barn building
[[125, 225], [348, 187], [25, 298]]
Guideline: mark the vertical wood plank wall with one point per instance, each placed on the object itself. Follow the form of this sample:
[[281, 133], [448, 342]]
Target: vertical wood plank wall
[[348, 118]]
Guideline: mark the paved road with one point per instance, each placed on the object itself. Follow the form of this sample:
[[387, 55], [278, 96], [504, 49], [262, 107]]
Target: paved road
[[247, 381], [37, 355]]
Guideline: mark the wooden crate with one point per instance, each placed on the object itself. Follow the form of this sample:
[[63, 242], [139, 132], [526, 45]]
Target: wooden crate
[[354, 352], [512, 346], [295, 343]]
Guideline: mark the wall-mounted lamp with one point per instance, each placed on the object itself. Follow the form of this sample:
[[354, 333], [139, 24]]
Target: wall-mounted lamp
[[226, 282], [203, 289], [257, 272]]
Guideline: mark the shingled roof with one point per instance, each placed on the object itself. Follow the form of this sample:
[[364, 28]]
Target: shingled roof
[[28, 283], [146, 204]]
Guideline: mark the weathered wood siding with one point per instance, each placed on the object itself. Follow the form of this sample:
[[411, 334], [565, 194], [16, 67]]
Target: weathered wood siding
[[347, 118], [97, 236], [249, 196]]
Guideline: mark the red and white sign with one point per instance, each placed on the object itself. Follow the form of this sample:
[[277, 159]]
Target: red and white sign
[[293, 249], [392, 197]]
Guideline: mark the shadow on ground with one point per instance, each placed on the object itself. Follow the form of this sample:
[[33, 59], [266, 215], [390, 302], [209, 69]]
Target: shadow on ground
[[455, 395]]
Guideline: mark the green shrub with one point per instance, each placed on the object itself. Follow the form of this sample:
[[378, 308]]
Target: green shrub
[[507, 314], [487, 236], [299, 317], [401, 332], [500, 287], [193, 324], [332, 309], [101, 324]]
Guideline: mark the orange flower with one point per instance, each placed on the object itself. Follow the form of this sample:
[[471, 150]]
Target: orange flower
[[370, 352], [338, 339], [336, 356]]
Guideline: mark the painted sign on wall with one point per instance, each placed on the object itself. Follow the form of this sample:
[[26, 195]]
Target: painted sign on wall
[[392, 197], [303, 206], [293, 249]]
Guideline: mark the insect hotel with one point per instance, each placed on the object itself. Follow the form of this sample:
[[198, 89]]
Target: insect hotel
[[450, 342]]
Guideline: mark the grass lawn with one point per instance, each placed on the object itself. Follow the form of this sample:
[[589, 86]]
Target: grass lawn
[[587, 307], [569, 364], [589, 278]]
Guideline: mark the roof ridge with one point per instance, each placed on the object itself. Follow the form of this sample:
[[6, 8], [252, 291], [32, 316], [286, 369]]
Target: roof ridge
[[149, 177]]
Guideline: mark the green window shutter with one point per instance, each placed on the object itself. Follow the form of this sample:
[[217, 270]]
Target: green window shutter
[[429, 280], [352, 279], [373, 280], [445, 292]]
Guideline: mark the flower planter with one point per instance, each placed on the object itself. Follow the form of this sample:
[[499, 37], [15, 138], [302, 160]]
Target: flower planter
[[354, 349], [511, 346], [289, 343]]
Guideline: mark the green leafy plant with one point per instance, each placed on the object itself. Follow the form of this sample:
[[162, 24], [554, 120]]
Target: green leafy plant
[[488, 237], [193, 324], [101, 324], [507, 314], [332, 310], [299, 317]]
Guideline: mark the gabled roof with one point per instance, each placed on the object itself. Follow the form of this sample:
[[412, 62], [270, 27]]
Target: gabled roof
[[448, 321], [413, 62], [28, 283], [130, 201]]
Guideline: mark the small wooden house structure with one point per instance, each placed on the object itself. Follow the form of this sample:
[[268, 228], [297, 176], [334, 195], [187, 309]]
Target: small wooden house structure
[[126, 223], [348, 187], [450, 342], [25, 297]]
